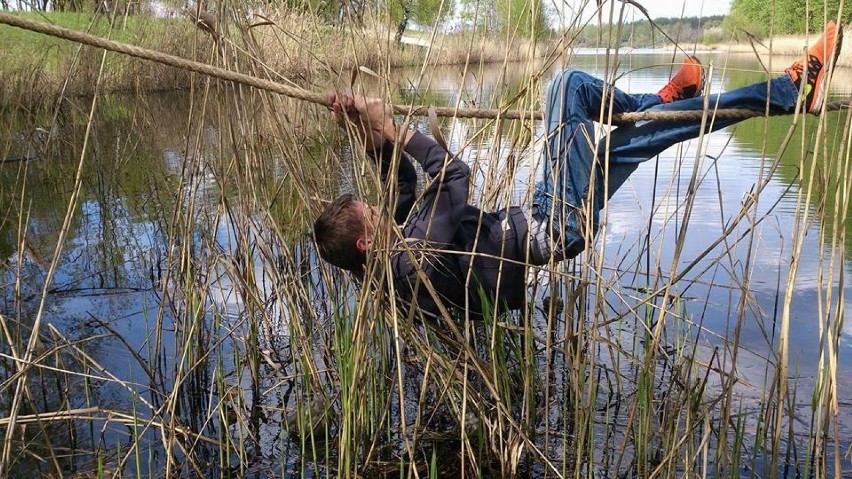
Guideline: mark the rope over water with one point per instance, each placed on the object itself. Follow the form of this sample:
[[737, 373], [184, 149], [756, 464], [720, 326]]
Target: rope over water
[[305, 95]]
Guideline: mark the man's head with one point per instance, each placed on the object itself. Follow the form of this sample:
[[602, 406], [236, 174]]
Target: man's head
[[344, 232]]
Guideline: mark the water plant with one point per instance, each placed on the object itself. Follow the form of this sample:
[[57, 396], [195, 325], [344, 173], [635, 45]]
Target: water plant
[[216, 343]]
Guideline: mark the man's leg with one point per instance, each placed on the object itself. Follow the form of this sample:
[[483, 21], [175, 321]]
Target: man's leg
[[574, 100], [570, 141], [632, 144]]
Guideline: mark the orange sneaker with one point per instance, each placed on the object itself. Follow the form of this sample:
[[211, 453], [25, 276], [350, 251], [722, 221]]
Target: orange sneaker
[[820, 56], [688, 82]]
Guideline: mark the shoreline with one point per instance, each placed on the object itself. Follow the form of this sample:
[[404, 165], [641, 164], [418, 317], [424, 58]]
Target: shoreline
[[308, 54]]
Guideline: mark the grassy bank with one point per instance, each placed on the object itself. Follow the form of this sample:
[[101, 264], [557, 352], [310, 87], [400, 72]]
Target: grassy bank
[[284, 45], [255, 358], [36, 66], [788, 46], [280, 45]]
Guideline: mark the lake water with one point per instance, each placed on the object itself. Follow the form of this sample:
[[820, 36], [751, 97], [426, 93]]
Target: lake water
[[109, 274], [733, 161]]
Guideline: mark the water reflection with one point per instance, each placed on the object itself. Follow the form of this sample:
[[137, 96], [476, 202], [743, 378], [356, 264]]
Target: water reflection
[[113, 270], [731, 163], [750, 265]]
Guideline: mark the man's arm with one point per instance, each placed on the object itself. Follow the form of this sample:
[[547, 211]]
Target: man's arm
[[406, 178], [438, 219], [445, 200], [433, 226]]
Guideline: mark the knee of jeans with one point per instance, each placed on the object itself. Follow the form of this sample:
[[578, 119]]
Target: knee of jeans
[[568, 75], [573, 243], [567, 78], [542, 202]]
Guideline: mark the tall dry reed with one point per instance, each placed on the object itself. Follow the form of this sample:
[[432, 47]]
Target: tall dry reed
[[261, 359]]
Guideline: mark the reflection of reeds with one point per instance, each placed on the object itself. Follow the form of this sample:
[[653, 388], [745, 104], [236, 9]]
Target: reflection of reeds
[[258, 355]]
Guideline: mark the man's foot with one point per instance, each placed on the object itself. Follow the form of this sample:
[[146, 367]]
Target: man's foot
[[821, 55], [688, 82]]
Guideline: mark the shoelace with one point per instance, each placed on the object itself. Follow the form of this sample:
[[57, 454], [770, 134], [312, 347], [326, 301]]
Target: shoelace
[[814, 66], [673, 91]]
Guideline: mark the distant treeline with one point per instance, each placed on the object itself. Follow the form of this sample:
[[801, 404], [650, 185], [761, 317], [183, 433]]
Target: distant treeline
[[758, 18], [521, 18], [761, 17], [662, 32]]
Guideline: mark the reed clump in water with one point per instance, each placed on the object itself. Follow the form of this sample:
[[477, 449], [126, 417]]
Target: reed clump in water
[[258, 358], [297, 43]]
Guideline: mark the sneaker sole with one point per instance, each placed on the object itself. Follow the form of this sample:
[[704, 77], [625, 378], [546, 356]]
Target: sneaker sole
[[703, 83], [816, 105]]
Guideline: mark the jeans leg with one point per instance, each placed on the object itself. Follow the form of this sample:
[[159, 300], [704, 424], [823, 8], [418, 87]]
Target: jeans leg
[[635, 143], [574, 100]]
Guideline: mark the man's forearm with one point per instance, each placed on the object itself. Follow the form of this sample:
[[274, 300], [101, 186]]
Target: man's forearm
[[445, 199], [397, 134], [405, 177], [434, 158]]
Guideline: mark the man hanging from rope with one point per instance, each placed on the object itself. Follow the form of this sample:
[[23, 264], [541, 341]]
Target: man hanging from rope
[[453, 254]]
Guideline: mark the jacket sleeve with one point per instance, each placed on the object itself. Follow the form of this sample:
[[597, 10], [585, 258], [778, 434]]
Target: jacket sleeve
[[433, 226], [445, 200], [406, 177]]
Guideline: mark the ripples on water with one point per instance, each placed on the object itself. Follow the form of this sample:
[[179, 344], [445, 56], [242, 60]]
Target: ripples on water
[[120, 241], [729, 167]]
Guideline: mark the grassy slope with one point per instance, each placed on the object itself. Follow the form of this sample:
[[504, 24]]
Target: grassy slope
[[35, 63], [21, 46]]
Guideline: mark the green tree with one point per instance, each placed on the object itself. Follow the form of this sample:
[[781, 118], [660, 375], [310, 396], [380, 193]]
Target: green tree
[[422, 12], [431, 12], [524, 18], [761, 17]]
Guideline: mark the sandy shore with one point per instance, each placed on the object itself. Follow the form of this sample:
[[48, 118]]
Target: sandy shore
[[781, 46]]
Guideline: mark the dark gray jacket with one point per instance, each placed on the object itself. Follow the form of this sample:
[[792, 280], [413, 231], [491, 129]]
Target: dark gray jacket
[[472, 258]]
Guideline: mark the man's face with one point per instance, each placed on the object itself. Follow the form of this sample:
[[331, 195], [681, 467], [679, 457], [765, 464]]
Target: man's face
[[370, 217]]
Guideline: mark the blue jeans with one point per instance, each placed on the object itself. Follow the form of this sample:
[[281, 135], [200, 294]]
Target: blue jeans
[[571, 154]]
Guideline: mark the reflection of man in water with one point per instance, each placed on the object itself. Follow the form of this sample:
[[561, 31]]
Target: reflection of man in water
[[454, 255]]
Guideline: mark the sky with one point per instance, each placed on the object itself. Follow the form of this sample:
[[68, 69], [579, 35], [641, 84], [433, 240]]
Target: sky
[[662, 8], [690, 8]]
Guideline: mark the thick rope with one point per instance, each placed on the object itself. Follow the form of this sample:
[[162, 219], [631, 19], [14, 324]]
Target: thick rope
[[305, 95]]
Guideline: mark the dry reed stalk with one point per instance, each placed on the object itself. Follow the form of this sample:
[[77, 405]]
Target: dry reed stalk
[[357, 374], [31, 344]]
